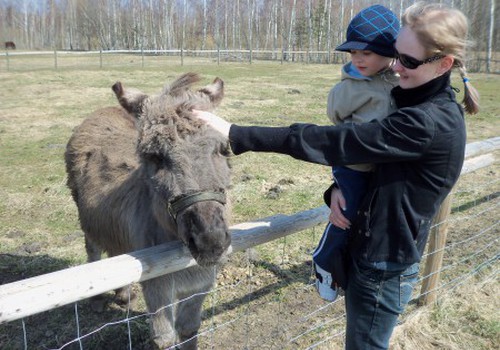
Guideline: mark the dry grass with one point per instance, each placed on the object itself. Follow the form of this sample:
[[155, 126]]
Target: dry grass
[[39, 229], [465, 319]]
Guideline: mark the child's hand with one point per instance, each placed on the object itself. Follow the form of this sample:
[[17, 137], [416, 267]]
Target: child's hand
[[338, 204]]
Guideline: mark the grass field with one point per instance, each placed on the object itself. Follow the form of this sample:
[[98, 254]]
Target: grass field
[[39, 230]]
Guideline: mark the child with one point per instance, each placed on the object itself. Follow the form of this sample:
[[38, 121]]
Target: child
[[362, 95]]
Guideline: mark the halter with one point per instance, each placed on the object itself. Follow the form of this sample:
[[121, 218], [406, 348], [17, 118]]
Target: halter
[[182, 202]]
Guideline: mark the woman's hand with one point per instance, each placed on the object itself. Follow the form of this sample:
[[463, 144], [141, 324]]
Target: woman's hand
[[214, 121], [336, 205]]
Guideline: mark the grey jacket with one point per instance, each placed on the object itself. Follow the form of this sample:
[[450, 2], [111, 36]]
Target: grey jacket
[[360, 99]]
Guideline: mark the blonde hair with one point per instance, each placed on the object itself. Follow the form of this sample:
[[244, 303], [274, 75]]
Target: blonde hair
[[443, 30]]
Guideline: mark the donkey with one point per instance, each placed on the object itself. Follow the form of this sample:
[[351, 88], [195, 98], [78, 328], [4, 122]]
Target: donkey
[[147, 173], [10, 45]]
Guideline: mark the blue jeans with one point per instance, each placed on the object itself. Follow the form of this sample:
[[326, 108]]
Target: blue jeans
[[374, 299]]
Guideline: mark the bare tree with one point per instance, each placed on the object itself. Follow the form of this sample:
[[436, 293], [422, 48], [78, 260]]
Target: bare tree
[[217, 23], [490, 36], [183, 40], [309, 27], [322, 17], [291, 34], [329, 31], [226, 25], [250, 19], [253, 24], [275, 25]]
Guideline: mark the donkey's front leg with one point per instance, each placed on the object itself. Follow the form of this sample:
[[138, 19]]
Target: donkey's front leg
[[188, 321], [158, 294], [192, 295]]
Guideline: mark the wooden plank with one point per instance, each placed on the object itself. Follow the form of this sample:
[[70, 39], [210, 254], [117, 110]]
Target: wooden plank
[[476, 148], [37, 294], [473, 164]]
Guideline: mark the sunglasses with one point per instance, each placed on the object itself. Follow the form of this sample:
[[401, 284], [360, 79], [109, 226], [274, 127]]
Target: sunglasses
[[412, 63]]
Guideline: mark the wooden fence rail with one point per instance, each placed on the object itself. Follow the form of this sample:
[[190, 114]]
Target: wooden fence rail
[[37, 294]]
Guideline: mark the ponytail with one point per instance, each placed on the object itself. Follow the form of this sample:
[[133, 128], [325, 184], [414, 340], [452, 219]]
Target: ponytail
[[471, 96]]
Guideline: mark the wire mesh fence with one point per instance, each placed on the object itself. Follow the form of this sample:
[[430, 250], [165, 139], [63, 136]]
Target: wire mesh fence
[[265, 300], [24, 61]]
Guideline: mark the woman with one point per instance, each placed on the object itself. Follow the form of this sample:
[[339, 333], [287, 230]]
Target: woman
[[418, 152]]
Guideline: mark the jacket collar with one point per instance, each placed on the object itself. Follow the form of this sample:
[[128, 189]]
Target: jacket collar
[[350, 71], [419, 94]]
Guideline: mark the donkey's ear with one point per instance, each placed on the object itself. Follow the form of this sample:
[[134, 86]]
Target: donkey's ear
[[130, 99], [214, 91]]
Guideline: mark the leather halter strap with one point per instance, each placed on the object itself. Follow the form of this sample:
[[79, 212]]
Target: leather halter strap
[[175, 206]]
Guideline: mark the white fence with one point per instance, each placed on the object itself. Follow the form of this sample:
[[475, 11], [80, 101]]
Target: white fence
[[27, 297], [18, 60]]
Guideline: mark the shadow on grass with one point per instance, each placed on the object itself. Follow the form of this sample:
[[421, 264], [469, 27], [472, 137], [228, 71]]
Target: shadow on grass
[[475, 202], [296, 273], [14, 267], [108, 329], [55, 328]]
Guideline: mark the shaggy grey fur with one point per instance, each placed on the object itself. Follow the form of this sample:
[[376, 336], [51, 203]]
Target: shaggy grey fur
[[126, 163]]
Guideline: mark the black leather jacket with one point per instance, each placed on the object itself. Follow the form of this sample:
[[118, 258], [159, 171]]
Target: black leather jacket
[[419, 152]]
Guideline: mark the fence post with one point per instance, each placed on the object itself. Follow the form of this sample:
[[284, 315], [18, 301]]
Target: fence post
[[434, 262], [7, 58], [142, 56], [55, 58], [100, 58]]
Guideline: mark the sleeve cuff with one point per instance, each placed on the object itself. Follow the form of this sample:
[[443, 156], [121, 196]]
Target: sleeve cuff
[[327, 196]]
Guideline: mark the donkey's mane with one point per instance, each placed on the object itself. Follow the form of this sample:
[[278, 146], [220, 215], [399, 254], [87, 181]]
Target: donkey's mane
[[168, 118], [182, 84]]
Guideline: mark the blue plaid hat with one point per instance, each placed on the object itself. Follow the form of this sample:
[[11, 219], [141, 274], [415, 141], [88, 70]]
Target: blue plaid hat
[[375, 29]]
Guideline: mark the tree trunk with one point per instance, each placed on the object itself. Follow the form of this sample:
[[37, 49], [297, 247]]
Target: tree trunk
[[309, 29], [291, 38], [250, 37], [205, 23], [226, 32], [329, 32], [490, 36]]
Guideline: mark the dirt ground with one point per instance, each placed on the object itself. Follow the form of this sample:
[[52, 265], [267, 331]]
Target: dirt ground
[[264, 298]]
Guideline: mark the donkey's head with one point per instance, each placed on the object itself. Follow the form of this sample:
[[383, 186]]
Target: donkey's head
[[184, 163]]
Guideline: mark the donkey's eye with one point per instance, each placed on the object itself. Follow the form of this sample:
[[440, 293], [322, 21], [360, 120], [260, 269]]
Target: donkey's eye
[[154, 158]]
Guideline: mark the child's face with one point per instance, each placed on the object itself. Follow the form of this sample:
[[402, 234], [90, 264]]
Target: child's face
[[368, 62]]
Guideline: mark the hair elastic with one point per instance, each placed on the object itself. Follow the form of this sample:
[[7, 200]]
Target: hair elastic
[[465, 80]]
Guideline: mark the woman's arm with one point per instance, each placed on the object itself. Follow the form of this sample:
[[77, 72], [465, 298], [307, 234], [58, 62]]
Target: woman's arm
[[401, 136]]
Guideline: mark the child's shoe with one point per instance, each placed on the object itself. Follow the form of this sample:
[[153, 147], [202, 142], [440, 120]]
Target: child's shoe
[[323, 284]]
